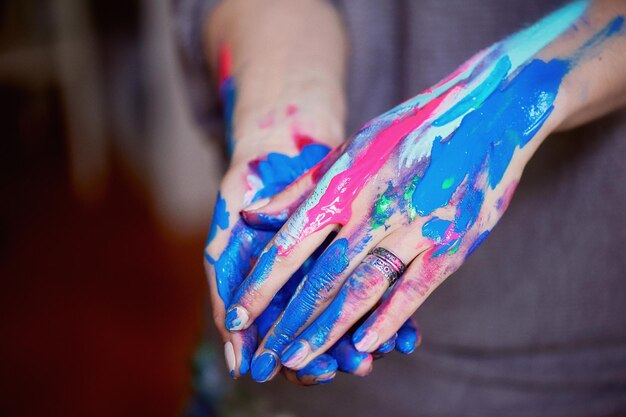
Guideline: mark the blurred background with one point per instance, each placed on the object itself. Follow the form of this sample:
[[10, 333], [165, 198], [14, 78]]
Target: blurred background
[[107, 190]]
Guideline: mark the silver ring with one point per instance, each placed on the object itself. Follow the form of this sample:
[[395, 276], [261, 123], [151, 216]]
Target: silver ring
[[390, 257], [387, 263]]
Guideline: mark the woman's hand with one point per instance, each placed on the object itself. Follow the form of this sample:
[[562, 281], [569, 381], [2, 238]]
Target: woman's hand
[[284, 108], [428, 181]]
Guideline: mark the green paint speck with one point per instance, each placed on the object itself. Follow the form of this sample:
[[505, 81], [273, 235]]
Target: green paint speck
[[447, 183]]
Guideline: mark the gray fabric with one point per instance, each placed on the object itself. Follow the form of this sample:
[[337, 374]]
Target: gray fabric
[[533, 323]]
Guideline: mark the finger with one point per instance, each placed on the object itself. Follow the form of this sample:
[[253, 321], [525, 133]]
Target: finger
[[272, 270], [388, 345], [238, 351], [315, 292], [361, 292], [272, 213], [422, 277], [230, 248], [322, 370], [328, 207], [409, 337], [350, 360]]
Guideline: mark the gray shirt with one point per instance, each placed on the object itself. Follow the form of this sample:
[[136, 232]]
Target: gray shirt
[[534, 323]]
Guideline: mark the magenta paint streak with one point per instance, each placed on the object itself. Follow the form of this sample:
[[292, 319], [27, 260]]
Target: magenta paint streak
[[335, 205]]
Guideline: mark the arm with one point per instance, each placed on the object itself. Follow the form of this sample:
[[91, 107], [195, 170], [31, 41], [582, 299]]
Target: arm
[[438, 172]]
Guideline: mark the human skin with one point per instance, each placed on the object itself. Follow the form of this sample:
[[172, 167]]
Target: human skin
[[282, 92], [429, 180]]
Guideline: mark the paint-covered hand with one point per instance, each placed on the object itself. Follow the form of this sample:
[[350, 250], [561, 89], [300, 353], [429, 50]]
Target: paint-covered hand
[[427, 180], [233, 248], [260, 167]]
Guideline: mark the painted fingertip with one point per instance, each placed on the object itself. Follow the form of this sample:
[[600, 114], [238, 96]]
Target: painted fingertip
[[367, 342], [229, 355], [388, 346], [257, 204], [262, 221], [236, 319], [295, 354], [264, 366], [320, 370], [407, 340]]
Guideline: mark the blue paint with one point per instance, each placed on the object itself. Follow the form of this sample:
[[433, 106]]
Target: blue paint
[[479, 240], [478, 95], [277, 170], [263, 221], [614, 27], [228, 94], [220, 217], [348, 358], [468, 210], [320, 279], [234, 263], [506, 120], [435, 229], [258, 275], [321, 370], [249, 342], [263, 367], [388, 345], [407, 338], [318, 332]]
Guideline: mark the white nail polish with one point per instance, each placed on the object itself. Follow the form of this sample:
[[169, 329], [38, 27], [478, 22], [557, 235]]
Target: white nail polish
[[257, 204], [229, 354]]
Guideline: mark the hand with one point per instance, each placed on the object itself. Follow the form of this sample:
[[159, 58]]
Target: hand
[[428, 180]]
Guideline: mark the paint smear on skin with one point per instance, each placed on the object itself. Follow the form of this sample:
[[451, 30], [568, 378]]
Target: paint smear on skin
[[228, 94], [461, 165], [267, 121], [248, 346], [348, 358], [320, 280], [320, 370], [334, 205], [301, 141], [220, 218], [291, 109], [407, 338], [362, 284], [244, 246], [435, 229], [481, 238], [260, 271], [384, 208], [381, 136], [271, 174]]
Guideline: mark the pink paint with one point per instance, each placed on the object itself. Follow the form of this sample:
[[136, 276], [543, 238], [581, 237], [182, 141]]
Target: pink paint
[[225, 63], [267, 121], [301, 140], [291, 109], [335, 205]]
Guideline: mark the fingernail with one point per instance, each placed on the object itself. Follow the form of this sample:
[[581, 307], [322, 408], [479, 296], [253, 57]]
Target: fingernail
[[257, 204], [263, 366], [326, 378], [388, 345], [236, 318], [295, 354], [368, 342], [229, 354]]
